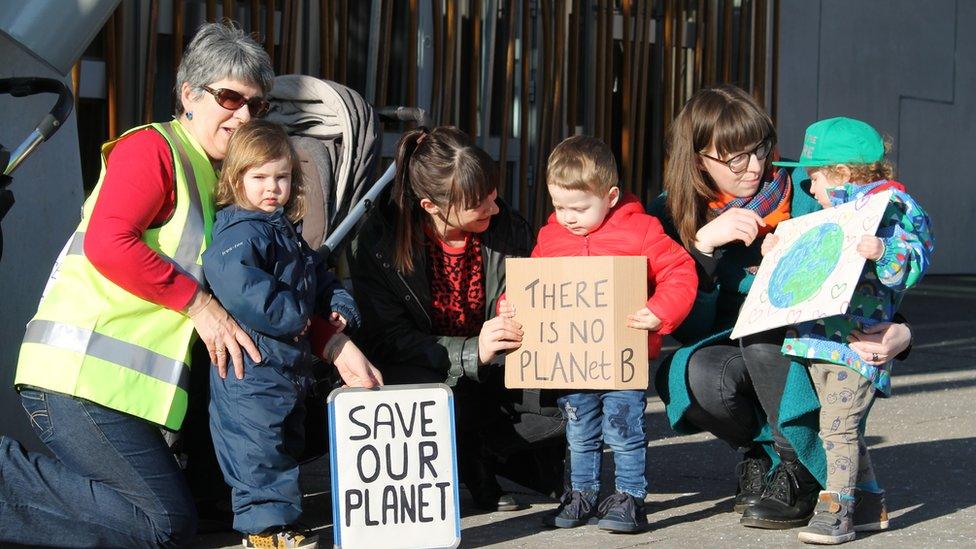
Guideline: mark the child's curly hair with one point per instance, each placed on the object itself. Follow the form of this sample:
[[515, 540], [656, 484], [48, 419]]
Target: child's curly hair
[[254, 144], [863, 173]]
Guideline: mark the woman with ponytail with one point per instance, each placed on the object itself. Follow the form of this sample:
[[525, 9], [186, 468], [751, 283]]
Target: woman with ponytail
[[428, 267]]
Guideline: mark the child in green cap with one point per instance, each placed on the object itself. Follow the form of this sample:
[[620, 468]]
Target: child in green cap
[[845, 159]]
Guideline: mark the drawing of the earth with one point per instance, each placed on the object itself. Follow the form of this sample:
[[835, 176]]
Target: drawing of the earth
[[806, 265]]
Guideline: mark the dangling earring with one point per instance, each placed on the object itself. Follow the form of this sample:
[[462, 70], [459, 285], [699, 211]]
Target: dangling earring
[[189, 115]]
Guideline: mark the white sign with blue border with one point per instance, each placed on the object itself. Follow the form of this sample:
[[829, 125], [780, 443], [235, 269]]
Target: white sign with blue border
[[394, 469]]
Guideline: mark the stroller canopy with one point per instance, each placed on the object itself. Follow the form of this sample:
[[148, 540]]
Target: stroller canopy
[[338, 139]]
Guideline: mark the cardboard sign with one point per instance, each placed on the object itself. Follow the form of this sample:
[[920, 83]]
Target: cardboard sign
[[814, 268], [573, 312], [394, 471]]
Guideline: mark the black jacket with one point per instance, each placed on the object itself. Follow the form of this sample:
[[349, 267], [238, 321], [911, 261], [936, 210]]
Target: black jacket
[[395, 307]]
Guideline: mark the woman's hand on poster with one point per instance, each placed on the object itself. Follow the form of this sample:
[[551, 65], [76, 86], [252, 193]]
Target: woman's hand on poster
[[220, 334], [644, 319], [354, 368], [871, 247], [338, 321], [880, 343], [499, 335], [733, 224], [769, 243], [505, 308]]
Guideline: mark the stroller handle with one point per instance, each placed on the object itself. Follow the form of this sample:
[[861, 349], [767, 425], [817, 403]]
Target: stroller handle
[[49, 124], [406, 114], [356, 214], [365, 204]]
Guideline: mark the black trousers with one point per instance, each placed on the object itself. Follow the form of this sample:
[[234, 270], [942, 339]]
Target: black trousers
[[734, 384]]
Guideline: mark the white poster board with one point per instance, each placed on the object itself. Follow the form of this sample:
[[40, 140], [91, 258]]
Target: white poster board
[[394, 470], [814, 268]]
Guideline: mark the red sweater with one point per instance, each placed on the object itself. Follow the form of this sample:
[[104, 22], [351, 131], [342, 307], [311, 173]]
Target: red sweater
[[137, 193], [628, 230]]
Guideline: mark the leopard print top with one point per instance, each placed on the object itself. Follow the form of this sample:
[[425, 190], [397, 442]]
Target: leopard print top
[[457, 287]]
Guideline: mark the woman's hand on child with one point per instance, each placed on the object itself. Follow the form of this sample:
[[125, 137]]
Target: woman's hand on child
[[644, 319], [769, 243], [338, 321], [733, 224], [871, 247], [880, 343], [354, 368], [222, 336], [498, 335]]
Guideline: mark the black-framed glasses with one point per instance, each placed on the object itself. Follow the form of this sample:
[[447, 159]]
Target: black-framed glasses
[[740, 162], [232, 100]]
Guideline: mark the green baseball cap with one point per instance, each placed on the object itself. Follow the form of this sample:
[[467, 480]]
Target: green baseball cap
[[839, 141]]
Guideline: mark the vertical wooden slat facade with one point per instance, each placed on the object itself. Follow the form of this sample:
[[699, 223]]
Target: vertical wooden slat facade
[[519, 75], [150, 81]]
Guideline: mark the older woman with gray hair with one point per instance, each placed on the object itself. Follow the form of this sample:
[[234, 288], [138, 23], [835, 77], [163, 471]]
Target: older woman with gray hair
[[105, 360]]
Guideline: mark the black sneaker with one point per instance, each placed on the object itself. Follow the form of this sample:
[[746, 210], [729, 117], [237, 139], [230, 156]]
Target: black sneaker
[[576, 508], [478, 474], [751, 473], [788, 500], [622, 513]]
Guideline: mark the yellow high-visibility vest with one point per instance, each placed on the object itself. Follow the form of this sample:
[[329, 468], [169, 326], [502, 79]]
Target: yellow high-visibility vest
[[94, 340]]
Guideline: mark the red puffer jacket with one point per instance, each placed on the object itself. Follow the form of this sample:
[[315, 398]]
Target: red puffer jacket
[[628, 230]]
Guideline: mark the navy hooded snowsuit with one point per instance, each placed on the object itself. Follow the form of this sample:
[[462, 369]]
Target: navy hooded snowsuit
[[271, 282]]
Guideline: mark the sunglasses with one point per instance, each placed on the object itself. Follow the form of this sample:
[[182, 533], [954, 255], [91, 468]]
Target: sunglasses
[[740, 162], [232, 100]]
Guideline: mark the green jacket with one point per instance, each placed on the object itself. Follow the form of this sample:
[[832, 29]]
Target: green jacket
[[396, 328], [711, 320]]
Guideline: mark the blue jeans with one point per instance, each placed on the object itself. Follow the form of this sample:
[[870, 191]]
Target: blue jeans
[[616, 417], [258, 431], [114, 483]]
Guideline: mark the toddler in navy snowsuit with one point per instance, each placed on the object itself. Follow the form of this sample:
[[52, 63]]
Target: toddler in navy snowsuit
[[272, 283]]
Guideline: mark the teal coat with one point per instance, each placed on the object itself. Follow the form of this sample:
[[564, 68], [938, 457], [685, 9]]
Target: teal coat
[[711, 321]]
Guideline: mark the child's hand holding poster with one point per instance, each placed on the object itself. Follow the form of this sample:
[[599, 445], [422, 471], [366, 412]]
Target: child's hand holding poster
[[812, 270]]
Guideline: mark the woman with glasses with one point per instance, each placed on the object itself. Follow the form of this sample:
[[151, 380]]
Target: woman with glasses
[[722, 196], [105, 360]]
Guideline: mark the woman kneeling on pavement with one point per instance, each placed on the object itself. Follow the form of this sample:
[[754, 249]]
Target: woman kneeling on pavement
[[105, 360], [722, 196], [427, 268]]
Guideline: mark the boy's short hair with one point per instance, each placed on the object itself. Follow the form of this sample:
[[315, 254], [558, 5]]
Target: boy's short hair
[[582, 163]]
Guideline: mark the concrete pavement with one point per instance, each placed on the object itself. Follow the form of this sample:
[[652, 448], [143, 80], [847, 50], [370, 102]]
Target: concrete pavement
[[923, 445]]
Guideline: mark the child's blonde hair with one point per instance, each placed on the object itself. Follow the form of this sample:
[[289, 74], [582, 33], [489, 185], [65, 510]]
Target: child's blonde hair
[[582, 163], [254, 144], [862, 173]]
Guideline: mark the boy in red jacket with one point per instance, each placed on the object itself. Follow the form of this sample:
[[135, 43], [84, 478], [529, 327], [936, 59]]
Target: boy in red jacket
[[592, 217]]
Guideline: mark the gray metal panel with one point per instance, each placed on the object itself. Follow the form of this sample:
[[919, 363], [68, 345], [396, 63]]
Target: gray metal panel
[[49, 196], [904, 68]]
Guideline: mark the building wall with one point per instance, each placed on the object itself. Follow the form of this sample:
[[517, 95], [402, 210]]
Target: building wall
[[48, 190], [909, 69]]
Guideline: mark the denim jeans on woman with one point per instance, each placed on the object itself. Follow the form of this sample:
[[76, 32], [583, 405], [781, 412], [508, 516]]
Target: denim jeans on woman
[[732, 384], [114, 482], [614, 417]]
